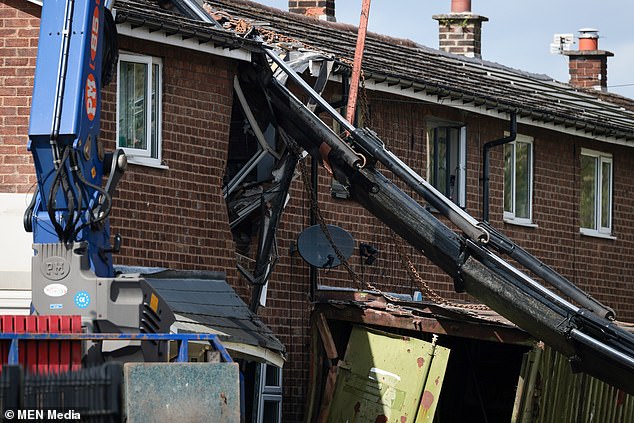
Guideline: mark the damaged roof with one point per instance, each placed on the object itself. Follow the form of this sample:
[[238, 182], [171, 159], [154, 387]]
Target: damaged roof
[[403, 67], [173, 22], [461, 320], [407, 68], [369, 308]]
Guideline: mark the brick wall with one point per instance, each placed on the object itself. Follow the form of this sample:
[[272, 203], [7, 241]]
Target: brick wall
[[587, 73], [589, 69], [18, 50], [177, 217], [320, 9], [600, 266]]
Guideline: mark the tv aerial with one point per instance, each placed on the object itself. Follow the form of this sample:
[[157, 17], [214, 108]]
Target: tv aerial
[[561, 43], [316, 250]]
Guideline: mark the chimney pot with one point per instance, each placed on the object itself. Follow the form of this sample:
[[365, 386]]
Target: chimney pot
[[460, 6], [588, 39]]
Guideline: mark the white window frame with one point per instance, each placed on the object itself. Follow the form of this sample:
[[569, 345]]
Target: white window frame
[[136, 155], [461, 166], [268, 393], [509, 216], [598, 230]]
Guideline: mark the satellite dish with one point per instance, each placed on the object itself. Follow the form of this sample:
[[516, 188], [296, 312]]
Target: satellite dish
[[315, 249]]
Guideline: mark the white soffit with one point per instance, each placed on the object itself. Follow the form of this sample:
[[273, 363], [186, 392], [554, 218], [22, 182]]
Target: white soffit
[[176, 40]]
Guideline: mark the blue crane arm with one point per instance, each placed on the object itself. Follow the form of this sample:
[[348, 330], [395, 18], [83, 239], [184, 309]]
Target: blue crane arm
[[71, 203], [72, 269]]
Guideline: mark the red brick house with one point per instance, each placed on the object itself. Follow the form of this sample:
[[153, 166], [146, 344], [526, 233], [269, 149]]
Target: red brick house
[[560, 189]]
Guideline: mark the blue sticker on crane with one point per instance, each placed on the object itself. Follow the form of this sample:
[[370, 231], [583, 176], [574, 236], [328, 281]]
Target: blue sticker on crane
[[82, 299]]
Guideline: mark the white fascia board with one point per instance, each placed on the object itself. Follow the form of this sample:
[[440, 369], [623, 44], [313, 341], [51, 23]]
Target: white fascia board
[[458, 104], [254, 351], [176, 40]]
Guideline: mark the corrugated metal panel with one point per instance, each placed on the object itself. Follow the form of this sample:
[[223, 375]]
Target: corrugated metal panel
[[549, 392], [15, 302]]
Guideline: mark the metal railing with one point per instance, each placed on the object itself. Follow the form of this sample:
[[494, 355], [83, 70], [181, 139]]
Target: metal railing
[[181, 338]]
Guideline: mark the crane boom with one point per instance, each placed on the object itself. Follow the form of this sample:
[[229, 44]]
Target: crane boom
[[583, 331]]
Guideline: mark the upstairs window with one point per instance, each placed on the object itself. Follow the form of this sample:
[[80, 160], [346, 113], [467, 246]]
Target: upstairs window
[[518, 180], [139, 108], [595, 207], [446, 161]]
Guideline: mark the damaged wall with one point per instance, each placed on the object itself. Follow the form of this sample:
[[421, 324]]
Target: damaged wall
[[176, 217]]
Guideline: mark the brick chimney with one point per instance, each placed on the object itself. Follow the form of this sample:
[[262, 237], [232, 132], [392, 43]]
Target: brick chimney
[[588, 66], [460, 32], [319, 9]]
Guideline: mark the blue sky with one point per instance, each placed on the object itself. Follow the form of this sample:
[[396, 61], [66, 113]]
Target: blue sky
[[518, 33]]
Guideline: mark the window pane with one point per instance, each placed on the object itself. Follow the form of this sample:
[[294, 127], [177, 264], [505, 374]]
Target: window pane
[[588, 192], [270, 412], [606, 173], [133, 105], [272, 376], [445, 167], [438, 159], [155, 109], [508, 177], [522, 180], [442, 160]]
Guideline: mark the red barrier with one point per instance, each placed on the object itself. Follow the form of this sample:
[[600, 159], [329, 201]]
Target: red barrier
[[30, 365], [43, 357], [75, 327], [65, 347]]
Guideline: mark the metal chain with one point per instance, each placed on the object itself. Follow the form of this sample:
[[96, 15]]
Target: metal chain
[[314, 206], [364, 103], [407, 262], [322, 224], [427, 290]]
